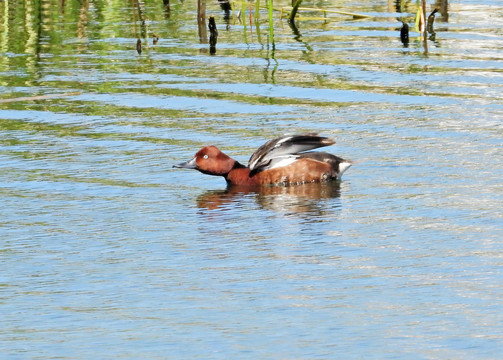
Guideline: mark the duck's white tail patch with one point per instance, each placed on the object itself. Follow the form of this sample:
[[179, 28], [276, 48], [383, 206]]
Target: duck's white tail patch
[[343, 166]]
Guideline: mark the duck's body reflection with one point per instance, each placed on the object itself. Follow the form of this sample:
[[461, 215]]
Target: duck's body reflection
[[286, 199]]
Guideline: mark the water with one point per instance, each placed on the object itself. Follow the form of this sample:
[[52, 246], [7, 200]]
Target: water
[[109, 252]]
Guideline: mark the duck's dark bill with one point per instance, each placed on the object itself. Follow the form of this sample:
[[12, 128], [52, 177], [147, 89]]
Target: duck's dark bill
[[191, 164]]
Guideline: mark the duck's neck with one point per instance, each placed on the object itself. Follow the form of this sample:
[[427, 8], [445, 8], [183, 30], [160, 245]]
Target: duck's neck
[[237, 165], [239, 175]]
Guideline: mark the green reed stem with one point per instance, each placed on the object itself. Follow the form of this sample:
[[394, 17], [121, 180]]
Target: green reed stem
[[243, 13], [257, 9]]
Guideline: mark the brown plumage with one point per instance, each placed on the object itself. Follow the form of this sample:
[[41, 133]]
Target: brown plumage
[[281, 161]]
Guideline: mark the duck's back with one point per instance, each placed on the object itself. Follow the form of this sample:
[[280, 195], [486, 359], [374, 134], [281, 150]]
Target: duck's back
[[293, 170], [307, 167], [278, 152]]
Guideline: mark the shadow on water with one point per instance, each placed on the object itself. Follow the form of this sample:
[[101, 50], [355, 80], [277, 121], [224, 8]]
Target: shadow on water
[[301, 199]]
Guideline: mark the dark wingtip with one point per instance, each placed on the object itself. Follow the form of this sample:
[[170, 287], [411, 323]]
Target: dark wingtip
[[313, 138], [327, 141]]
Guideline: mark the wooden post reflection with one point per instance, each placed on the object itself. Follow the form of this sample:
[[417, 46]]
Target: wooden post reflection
[[443, 6]]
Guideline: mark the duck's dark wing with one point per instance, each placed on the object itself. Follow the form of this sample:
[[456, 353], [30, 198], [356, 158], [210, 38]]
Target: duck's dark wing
[[282, 146]]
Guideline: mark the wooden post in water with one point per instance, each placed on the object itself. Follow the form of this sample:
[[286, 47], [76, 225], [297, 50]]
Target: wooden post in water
[[212, 26], [138, 46], [167, 9], [425, 33], [201, 21]]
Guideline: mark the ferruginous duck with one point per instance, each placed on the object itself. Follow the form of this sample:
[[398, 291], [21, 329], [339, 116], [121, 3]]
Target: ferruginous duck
[[282, 161]]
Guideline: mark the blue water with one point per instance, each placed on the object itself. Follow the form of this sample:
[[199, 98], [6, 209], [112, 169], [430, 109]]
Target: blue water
[[109, 252]]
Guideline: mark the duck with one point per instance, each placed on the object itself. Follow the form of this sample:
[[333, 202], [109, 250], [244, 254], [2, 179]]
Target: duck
[[286, 160]]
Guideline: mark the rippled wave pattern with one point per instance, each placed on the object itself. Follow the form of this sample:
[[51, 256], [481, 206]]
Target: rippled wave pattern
[[107, 251]]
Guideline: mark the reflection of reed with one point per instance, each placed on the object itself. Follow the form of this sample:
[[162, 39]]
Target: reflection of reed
[[167, 9], [141, 18], [225, 5], [290, 199], [429, 27], [83, 20]]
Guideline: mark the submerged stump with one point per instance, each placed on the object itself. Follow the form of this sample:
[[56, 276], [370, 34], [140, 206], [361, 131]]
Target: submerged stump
[[212, 26]]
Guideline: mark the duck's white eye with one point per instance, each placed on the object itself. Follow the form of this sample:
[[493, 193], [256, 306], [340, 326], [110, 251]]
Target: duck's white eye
[[205, 156]]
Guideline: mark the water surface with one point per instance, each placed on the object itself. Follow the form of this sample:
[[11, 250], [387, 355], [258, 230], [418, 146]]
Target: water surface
[[107, 251]]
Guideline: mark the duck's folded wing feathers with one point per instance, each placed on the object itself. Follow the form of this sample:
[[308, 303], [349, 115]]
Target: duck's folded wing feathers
[[285, 145], [275, 162]]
